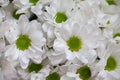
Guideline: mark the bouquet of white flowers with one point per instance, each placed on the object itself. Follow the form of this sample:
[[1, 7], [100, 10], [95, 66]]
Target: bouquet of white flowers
[[59, 40]]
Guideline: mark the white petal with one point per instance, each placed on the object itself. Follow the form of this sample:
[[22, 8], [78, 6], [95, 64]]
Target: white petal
[[70, 74], [12, 52], [70, 55], [115, 74], [2, 44], [24, 9], [37, 9], [36, 57], [32, 27], [59, 45], [24, 60], [37, 38], [66, 32], [55, 60], [83, 59], [22, 23], [102, 74], [65, 77]]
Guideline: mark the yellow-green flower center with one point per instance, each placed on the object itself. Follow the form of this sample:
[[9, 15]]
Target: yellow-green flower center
[[33, 1], [23, 42], [34, 67], [111, 64], [53, 76], [111, 2], [108, 22], [84, 72], [74, 43], [60, 17]]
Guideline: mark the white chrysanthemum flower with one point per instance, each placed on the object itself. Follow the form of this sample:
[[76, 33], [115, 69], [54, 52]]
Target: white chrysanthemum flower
[[77, 40], [26, 42], [109, 65], [59, 11]]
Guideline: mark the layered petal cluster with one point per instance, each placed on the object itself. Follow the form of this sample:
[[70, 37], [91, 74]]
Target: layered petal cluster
[[59, 39]]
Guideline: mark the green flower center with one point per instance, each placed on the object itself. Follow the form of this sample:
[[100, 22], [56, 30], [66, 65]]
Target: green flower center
[[16, 16], [111, 2], [23, 42], [111, 64], [34, 67], [116, 35], [84, 72], [33, 1], [74, 43], [53, 76], [108, 22], [60, 17]]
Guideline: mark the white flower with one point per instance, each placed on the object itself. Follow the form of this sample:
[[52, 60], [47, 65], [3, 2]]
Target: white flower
[[110, 65], [59, 11], [77, 40], [26, 42]]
